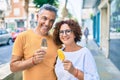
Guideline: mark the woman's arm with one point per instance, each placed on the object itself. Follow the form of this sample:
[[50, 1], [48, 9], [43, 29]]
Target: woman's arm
[[71, 69]]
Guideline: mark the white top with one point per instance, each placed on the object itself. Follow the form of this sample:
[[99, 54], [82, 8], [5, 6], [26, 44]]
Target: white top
[[82, 60]]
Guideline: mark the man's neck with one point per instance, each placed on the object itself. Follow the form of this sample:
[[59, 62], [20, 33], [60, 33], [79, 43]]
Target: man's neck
[[36, 31]]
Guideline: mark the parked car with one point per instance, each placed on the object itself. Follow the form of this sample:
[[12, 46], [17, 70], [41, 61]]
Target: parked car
[[17, 31], [5, 37]]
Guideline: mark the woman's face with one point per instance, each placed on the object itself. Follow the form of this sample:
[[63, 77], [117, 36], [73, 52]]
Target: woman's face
[[66, 35]]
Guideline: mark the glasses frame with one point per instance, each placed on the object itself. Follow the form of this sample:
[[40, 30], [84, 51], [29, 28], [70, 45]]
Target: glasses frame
[[65, 32]]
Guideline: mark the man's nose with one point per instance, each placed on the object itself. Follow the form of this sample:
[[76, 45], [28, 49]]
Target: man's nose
[[47, 22]]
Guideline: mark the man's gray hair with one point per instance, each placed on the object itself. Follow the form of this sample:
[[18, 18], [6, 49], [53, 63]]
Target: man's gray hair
[[48, 7]]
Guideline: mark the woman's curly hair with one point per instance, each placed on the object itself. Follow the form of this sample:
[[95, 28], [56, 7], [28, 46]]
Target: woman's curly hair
[[74, 26]]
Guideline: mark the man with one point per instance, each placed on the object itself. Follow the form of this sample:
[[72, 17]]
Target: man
[[27, 56], [86, 33]]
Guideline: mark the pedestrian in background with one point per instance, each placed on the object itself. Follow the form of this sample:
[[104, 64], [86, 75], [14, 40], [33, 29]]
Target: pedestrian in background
[[79, 63], [86, 33], [27, 55]]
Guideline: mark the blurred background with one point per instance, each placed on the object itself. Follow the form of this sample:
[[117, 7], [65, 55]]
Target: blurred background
[[101, 17]]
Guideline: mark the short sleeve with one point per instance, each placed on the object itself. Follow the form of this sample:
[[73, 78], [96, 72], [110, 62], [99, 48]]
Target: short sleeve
[[18, 45], [90, 69]]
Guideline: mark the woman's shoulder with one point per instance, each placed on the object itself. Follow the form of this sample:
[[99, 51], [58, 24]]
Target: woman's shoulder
[[85, 50]]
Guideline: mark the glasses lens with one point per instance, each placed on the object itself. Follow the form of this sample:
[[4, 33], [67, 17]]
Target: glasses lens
[[66, 32], [61, 32]]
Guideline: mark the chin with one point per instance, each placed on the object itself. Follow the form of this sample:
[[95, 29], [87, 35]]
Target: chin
[[45, 33]]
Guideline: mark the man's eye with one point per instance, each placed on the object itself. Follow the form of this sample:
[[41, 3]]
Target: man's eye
[[44, 18], [52, 21]]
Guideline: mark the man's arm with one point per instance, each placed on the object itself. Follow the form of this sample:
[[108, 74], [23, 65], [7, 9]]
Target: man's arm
[[17, 64]]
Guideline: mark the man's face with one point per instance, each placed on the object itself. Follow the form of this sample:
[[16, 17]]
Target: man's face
[[45, 19]]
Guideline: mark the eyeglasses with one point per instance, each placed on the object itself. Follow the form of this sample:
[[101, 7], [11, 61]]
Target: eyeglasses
[[67, 32]]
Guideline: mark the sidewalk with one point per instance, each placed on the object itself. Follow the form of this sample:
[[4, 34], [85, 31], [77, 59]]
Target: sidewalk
[[4, 70], [106, 69]]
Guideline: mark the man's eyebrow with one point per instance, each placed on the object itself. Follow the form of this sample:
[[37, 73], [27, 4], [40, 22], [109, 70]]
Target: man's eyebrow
[[52, 19]]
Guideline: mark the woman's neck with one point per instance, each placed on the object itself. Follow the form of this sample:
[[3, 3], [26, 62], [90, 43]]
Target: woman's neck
[[72, 47]]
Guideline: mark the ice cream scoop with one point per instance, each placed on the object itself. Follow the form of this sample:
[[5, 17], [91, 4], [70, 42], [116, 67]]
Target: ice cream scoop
[[61, 54], [44, 44]]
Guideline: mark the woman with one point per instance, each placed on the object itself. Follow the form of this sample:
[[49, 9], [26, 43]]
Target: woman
[[78, 64]]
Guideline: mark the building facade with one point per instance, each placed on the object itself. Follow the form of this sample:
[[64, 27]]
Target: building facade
[[17, 15], [106, 28], [4, 8]]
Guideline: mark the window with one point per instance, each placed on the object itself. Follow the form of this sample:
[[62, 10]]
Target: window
[[16, 11]]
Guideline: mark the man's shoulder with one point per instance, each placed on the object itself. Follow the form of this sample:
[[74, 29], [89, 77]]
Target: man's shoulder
[[50, 36], [26, 32]]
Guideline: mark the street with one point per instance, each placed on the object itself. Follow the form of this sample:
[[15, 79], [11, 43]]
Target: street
[[5, 53], [115, 52]]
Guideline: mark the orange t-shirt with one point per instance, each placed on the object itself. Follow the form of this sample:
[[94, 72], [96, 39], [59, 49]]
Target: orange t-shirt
[[25, 45]]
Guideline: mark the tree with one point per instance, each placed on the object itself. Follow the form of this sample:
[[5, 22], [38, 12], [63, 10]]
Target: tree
[[26, 9], [39, 3]]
